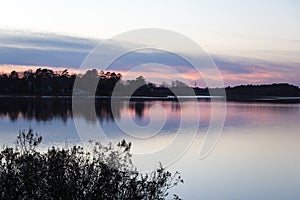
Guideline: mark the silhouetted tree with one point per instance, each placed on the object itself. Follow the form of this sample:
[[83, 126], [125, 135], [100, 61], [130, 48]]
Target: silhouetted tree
[[105, 172], [14, 75], [47, 82]]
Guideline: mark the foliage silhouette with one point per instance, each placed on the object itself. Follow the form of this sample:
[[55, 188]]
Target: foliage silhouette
[[47, 82], [106, 172]]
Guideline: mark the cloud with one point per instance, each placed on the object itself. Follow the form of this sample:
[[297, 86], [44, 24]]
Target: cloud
[[232, 67], [26, 48], [237, 70], [141, 57], [22, 39], [47, 49]]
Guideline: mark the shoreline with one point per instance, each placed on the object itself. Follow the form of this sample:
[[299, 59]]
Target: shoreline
[[267, 99]]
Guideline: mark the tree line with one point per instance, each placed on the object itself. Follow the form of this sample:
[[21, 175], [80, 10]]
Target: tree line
[[47, 82], [263, 92]]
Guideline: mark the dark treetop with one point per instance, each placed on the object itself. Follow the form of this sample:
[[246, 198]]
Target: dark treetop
[[47, 82]]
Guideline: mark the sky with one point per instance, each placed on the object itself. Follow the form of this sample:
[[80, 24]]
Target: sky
[[250, 41]]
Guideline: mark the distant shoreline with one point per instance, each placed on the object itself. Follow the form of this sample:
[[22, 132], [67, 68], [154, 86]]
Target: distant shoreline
[[266, 99], [46, 83]]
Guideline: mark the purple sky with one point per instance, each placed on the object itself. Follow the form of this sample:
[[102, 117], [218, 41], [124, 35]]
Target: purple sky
[[21, 50]]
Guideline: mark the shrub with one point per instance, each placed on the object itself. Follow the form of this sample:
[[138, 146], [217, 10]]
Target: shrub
[[106, 172]]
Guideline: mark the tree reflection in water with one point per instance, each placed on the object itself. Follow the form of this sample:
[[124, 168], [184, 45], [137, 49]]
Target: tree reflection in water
[[48, 109]]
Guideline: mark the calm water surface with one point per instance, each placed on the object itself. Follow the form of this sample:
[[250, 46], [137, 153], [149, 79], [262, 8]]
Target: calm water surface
[[256, 157]]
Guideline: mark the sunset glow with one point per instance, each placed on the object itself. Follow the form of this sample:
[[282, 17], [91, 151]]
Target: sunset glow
[[249, 45]]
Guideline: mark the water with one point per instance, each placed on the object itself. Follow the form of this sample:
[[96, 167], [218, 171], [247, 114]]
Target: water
[[256, 157]]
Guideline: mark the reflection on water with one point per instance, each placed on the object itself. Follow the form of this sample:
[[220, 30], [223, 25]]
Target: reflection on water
[[47, 109], [257, 156], [39, 109]]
